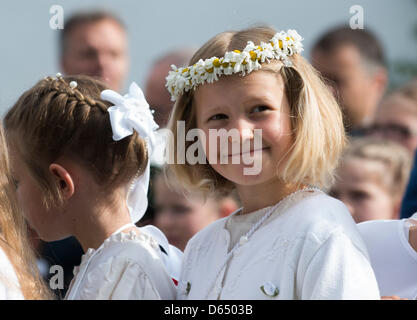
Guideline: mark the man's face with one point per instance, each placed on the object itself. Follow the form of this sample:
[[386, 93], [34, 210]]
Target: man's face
[[355, 87], [157, 94], [97, 49]]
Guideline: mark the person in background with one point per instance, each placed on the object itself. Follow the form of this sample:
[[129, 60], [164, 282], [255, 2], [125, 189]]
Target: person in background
[[156, 93], [371, 178], [181, 214], [94, 43], [160, 101], [396, 117], [409, 205], [353, 63]]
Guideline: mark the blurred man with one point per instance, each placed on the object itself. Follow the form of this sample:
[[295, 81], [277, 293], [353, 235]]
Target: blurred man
[[156, 93], [353, 63], [95, 44]]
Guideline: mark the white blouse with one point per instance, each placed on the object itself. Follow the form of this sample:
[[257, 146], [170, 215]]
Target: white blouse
[[309, 248], [9, 284], [128, 266]]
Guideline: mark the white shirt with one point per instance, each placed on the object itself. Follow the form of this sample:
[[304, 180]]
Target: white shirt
[[9, 284], [393, 259], [309, 248], [128, 266]]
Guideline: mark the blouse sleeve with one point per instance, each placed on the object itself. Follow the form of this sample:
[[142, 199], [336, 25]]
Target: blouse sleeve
[[118, 278], [9, 285], [338, 270]]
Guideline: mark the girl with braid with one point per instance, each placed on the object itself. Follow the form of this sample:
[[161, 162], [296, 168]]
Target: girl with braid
[[80, 158]]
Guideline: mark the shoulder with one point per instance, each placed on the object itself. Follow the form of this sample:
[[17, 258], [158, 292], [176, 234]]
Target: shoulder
[[128, 266], [319, 217], [139, 249]]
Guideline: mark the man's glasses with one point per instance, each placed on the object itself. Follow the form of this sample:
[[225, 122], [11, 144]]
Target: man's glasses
[[393, 130]]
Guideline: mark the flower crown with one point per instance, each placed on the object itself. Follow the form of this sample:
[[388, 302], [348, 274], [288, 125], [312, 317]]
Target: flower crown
[[281, 47]]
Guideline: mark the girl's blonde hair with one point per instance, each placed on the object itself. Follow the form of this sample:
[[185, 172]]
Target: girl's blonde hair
[[395, 158], [14, 235], [316, 118], [53, 120]]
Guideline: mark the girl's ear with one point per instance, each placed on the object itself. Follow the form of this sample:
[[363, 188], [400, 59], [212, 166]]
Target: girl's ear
[[64, 179]]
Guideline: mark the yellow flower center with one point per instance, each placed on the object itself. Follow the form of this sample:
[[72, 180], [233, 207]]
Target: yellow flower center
[[216, 63], [280, 44], [253, 55], [237, 51], [210, 70], [185, 70]]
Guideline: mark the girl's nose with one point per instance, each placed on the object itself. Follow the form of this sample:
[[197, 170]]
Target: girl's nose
[[245, 130]]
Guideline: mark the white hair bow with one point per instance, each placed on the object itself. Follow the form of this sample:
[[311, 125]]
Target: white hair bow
[[131, 112]]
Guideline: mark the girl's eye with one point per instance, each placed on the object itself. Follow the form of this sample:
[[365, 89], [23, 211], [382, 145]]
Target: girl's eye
[[259, 109], [359, 195], [218, 116]]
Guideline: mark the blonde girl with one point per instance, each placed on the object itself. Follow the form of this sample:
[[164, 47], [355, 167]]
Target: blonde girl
[[19, 278], [82, 169], [289, 240]]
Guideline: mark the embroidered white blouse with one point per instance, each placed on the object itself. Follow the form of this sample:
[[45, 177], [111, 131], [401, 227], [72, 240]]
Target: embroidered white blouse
[[309, 248], [128, 266], [9, 284]]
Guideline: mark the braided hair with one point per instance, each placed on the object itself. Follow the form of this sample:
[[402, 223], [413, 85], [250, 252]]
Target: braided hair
[[66, 117]]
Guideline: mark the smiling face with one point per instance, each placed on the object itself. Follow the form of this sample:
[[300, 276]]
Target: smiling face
[[244, 104]]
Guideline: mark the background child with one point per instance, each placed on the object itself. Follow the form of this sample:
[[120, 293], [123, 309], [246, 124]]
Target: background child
[[19, 278], [289, 240], [180, 214], [396, 117], [76, 159], [371, 178]]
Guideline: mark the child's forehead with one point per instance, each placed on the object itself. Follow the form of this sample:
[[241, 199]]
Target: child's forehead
[[363, 169], [259, 84], [397, 103]]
